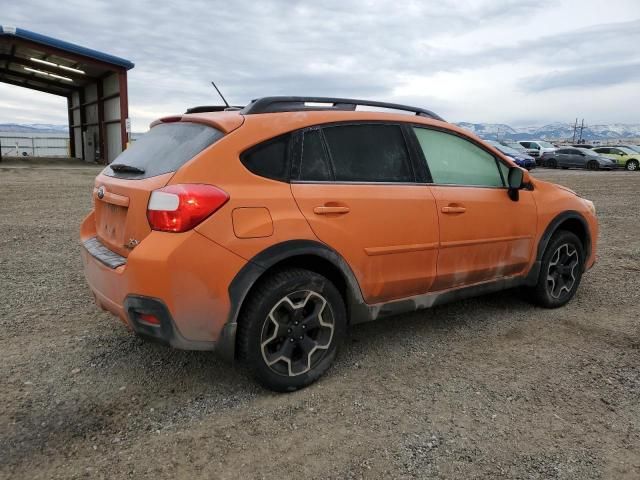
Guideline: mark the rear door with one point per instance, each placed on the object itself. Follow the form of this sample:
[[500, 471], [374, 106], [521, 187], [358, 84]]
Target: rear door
[[121, 192], [484, 235], [357, 186], [563, 157]]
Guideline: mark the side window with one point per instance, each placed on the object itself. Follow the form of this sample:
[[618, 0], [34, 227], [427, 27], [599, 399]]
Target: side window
[[453, 160], [525, 144], [368, 153], [313, 163], [269, 159]]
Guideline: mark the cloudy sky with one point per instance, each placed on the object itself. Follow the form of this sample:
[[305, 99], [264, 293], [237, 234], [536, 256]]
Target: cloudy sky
[[523, 63]]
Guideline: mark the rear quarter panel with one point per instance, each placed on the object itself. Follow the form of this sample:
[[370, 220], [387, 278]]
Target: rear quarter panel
[[221, 166]]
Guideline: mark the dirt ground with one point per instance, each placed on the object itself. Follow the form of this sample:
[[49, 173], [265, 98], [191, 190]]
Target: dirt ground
[[486, 388]]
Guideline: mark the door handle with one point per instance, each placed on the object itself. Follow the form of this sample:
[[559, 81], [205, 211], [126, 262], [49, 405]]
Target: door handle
[[453, 209], [326, 210]]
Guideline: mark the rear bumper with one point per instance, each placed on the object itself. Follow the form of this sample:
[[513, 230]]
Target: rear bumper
[[181, 278]]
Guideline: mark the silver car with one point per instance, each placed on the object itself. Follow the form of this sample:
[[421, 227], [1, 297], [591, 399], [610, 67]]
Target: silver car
[[577, 158]]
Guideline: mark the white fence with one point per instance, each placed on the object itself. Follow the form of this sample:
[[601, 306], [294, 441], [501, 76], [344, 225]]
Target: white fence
[[34, 144]]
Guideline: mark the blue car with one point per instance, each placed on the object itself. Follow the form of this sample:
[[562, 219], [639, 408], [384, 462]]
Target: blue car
[[521, 159]]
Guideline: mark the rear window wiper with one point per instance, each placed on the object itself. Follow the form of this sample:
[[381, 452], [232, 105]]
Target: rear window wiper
[[121, 167]]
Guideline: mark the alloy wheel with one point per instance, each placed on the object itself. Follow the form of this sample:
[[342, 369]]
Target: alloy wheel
[[297, 333], [561, 275]]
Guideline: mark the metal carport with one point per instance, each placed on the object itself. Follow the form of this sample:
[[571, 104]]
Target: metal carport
[[94, 83]]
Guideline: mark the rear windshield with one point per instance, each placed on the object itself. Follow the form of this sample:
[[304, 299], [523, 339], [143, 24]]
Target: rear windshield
[[165, 148]]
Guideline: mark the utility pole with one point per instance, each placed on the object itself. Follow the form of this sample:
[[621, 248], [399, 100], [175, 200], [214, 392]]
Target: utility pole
[[575, 126], [581, 128]]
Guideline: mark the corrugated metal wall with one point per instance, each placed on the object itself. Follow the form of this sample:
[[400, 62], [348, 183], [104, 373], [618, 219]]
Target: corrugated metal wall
[[86, 108], [34, 145]]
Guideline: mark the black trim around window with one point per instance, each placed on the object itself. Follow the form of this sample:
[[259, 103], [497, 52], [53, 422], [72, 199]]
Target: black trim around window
[[417, 160], [420, 175]]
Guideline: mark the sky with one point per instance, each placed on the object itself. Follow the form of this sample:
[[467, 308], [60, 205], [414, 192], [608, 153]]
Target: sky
[[522, 63]]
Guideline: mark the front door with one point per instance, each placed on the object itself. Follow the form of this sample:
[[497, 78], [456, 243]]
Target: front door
[[484, 235], [355, 184], [577, 159]]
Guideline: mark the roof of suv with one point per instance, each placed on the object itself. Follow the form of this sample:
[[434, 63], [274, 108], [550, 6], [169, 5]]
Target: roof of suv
[[293, 113], [320, 109]]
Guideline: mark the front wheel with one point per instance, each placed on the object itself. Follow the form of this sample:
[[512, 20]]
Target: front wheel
[[551, 163], [593, 165], [632, 165], [560, 271], [290, 329]]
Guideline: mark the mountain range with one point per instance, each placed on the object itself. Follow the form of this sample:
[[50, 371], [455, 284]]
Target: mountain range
[[553, 131], [489, 131], [33, 128]]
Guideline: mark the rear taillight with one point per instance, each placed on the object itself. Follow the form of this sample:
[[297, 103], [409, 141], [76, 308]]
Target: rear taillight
[[178, 208]]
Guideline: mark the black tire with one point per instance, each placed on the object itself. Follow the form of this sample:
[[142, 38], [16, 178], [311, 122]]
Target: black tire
[[632, 165], [593, 165], [284, 314], [551, 163], [565, 168], [556, 292]]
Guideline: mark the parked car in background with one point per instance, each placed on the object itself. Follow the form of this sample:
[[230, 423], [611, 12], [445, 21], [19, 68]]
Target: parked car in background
[[625, 157], [583, 145], [264, 233], [635, 148], [536, 148], [571, 157], [515, 146], [521, 159]]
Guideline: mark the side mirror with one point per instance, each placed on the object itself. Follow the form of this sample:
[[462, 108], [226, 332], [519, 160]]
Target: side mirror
[[516, 180]]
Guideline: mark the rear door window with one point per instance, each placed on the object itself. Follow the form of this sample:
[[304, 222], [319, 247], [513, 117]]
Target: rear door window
[[165, 148], [368, 153], [454, 160], [314, 164]]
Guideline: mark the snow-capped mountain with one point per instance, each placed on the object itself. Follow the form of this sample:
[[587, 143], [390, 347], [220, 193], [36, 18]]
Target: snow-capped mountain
[[33, 128], [490, 131], [552, 131]]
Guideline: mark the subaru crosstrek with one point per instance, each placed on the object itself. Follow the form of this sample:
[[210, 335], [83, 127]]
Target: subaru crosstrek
[[264, 232]]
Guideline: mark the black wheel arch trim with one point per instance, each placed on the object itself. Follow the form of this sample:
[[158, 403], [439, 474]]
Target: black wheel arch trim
[[552, 227], [246, 278], [359, 311]]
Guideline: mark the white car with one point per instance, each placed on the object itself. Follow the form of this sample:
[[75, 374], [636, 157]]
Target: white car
[[536, 148]]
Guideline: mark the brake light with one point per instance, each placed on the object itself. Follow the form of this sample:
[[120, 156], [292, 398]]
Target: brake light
[[178, 208]]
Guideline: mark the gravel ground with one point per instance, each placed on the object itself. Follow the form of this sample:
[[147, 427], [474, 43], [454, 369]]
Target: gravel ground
[[486, 388]]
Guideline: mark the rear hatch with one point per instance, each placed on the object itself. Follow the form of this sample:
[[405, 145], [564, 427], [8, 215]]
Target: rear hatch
[[122, 190]]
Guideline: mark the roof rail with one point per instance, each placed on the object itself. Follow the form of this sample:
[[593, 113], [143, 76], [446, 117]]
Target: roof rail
[[212, 108], [296, 104]]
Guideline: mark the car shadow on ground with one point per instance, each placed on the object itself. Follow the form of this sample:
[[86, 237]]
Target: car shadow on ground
[[204, 373]]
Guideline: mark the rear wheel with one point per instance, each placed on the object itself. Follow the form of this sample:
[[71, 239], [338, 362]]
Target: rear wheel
[[593, 165], [551, 163], [290, 329], [560, 271], [632, 165]]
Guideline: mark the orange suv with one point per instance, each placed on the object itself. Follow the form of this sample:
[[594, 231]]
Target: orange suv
[[264, 232]]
